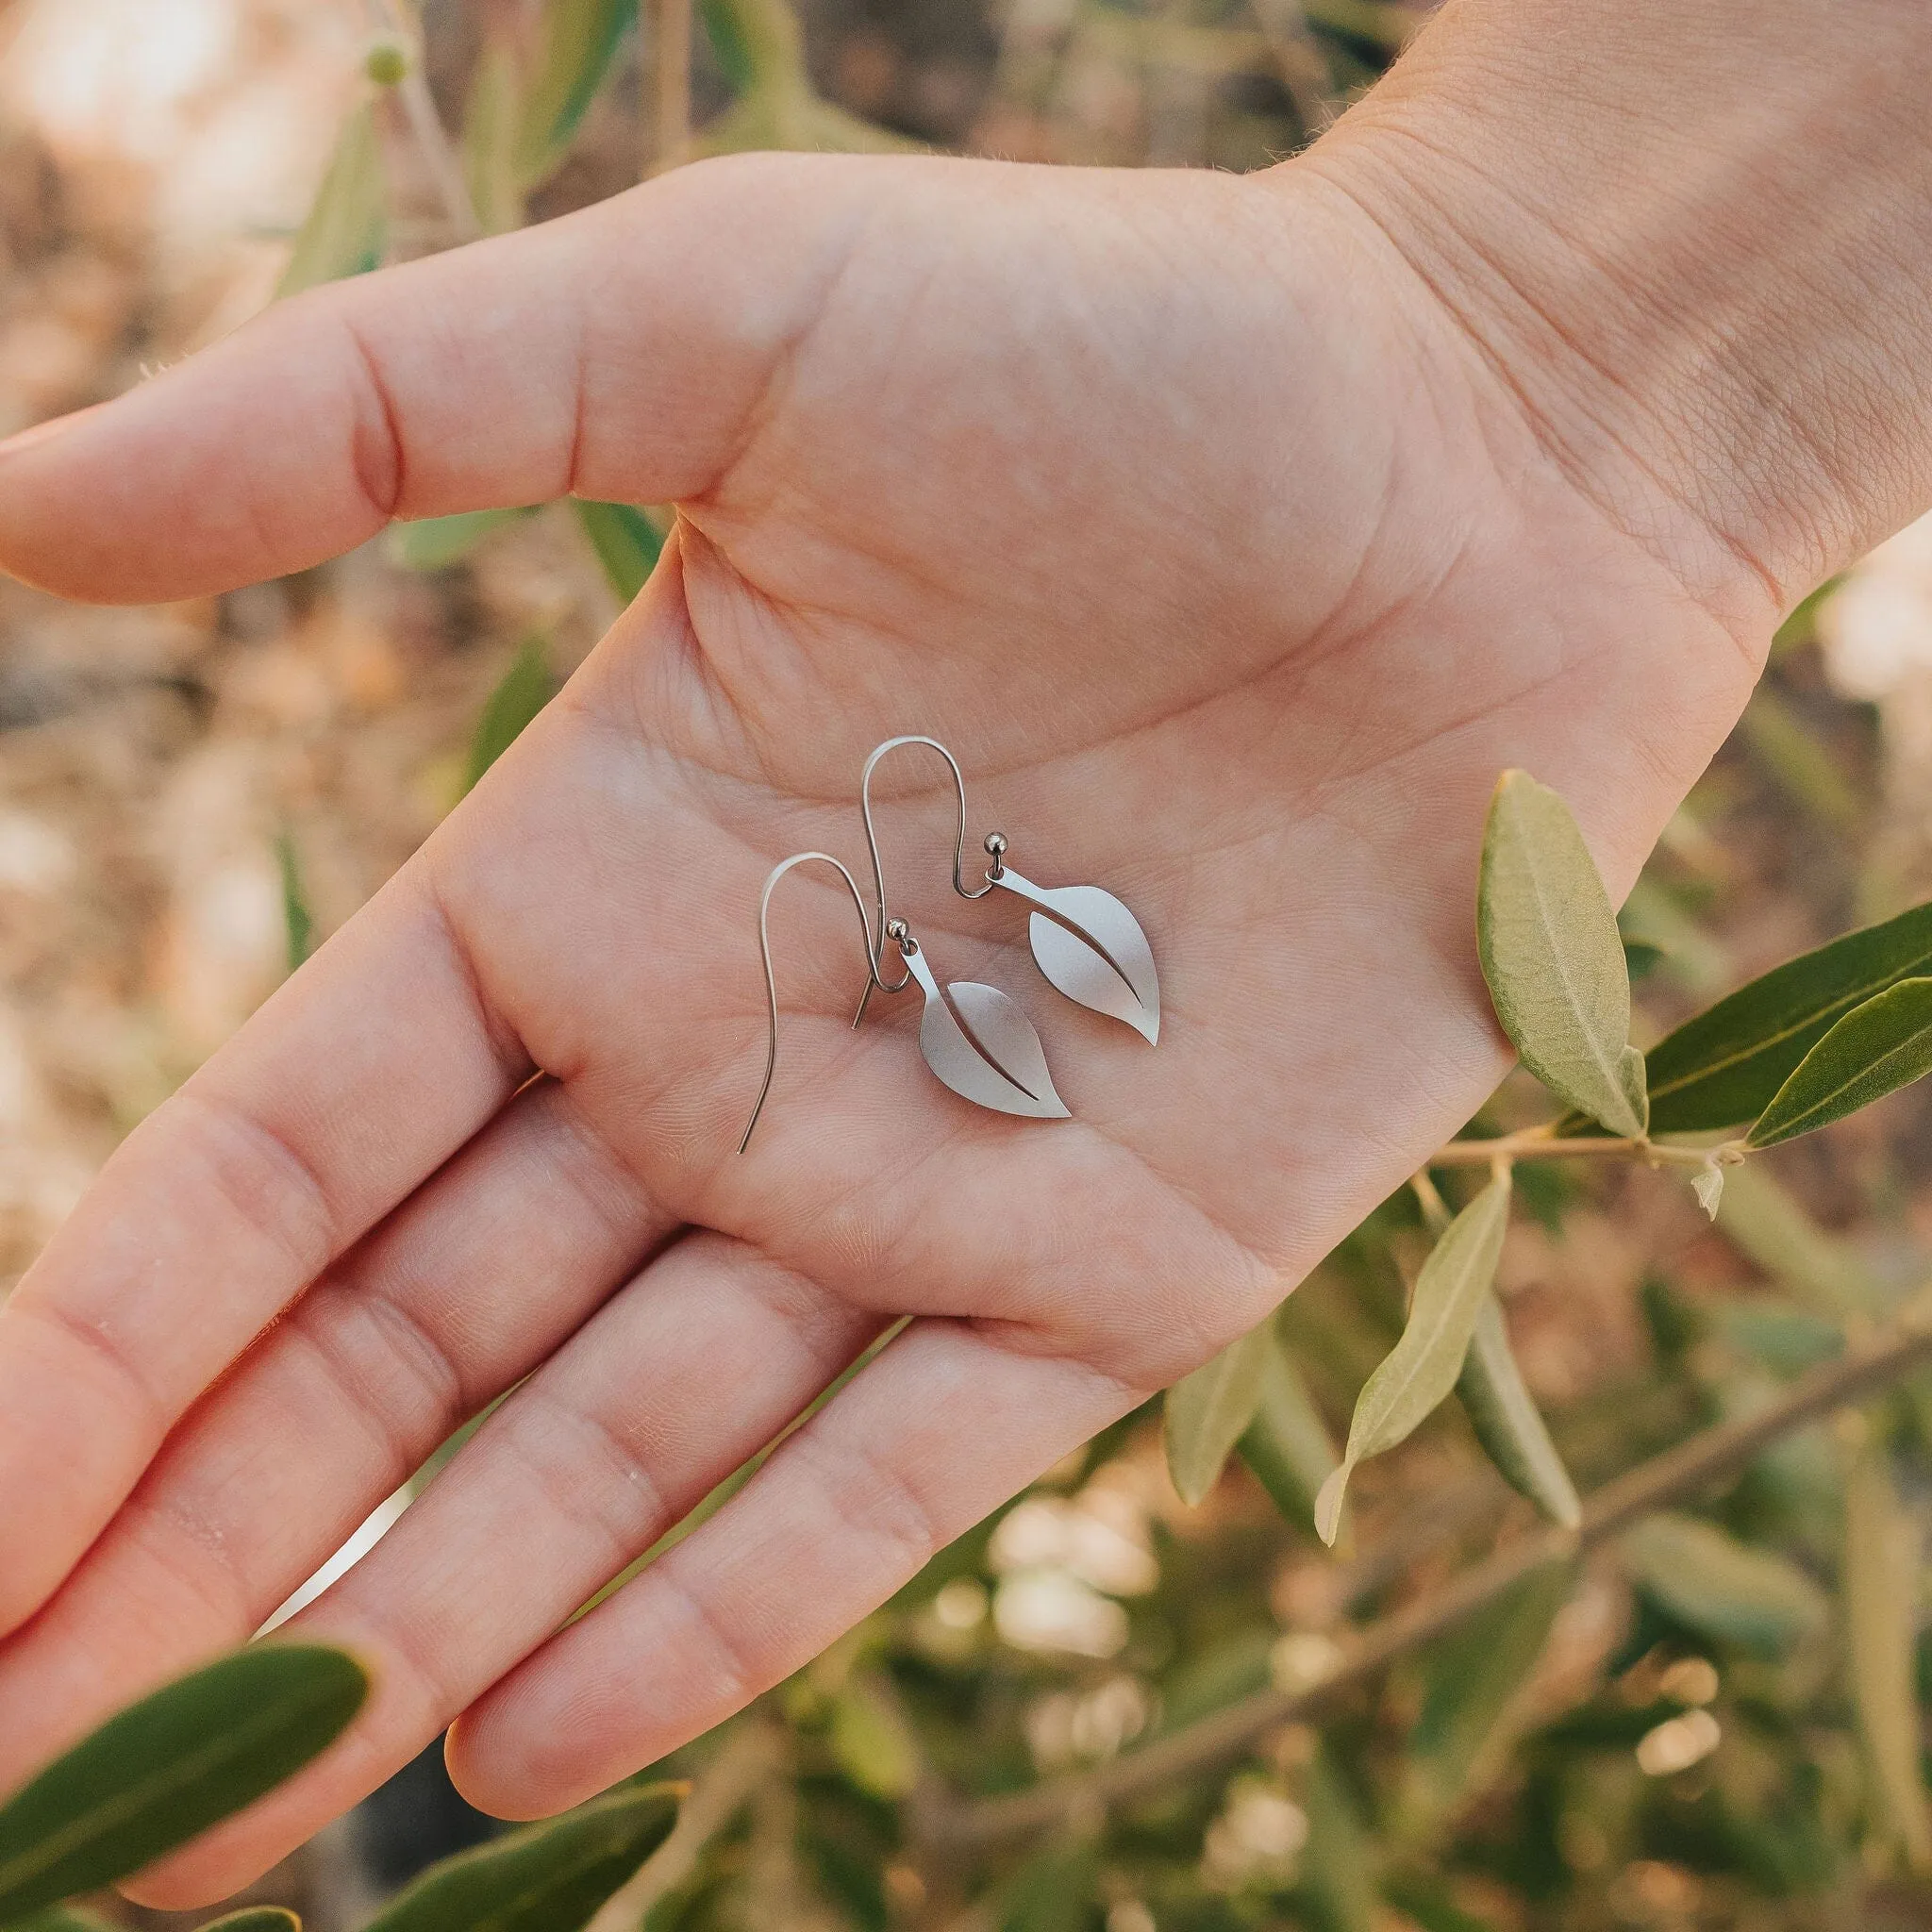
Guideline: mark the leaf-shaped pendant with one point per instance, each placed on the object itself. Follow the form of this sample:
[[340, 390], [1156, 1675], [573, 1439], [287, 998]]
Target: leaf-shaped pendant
[[1092, 949], [984, 1047]]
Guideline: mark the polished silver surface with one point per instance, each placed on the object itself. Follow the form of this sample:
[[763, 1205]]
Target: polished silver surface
[[976, 1041], [1092, 949], [872, 966], [878, 870], [1088, 944], [984, 1047]]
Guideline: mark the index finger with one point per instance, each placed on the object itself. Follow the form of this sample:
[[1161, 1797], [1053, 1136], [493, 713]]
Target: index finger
[[615, 353]]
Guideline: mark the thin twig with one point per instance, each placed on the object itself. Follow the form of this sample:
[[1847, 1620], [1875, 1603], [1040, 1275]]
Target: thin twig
[[1216, 1740], [746, 1757], [1534, 1143], [425, 126], [671, 122], [1436, 1215]]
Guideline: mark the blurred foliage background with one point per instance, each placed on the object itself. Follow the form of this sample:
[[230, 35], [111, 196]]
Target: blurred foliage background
[[1710, 1721]]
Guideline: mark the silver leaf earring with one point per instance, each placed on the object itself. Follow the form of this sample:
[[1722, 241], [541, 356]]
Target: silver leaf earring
[[974, 1037], [1088, 946]]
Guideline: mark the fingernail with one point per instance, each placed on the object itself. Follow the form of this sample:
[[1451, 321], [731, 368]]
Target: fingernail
[[43, 432]]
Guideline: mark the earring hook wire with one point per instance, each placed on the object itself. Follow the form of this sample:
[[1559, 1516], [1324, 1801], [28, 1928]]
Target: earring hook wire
[[872, 966], [878, 869]]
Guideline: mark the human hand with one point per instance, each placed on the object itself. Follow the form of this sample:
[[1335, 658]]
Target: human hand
[[1230, 561]]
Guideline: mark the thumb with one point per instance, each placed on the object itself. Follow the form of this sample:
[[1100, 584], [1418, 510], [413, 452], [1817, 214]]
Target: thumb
[[620, 353]]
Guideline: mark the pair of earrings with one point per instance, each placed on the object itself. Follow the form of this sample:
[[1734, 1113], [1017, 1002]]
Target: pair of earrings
[[975, 1039]]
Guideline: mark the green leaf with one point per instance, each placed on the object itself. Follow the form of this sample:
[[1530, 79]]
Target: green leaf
[[1641, 957], [1722, 1587], [1206, 1411], [492, 129], [1215, 1672], [527, 686], [298, 922], [1427, 1901], [1880, 1577], [66, 1919], [169, 1767], [727, 42], [761, 49], [1288, 1445], [580, 39], [1721, 1068], [795, 119], [348, 222], [1801, 627], [1473, 1681], [625, 540], [1875, 1050], [1552, 958], [758, 43], [436, 543], [1341, 1858], [1507, 1423], [549, 1877], [256, 1918], [1423, 1366], [1801, 763], [1051, 1892], [871, 1742], [1763, 1220], [1786, 1339]]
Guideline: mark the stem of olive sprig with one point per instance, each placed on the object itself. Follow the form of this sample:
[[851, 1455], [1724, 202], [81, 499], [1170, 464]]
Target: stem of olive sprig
[[1540, 1144]]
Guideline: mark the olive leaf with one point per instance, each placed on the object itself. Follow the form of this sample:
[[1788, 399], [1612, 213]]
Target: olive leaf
[[1287, 1445], [1424, 1365], [1206, 1412], [1767, 1225], [1875, 1050], [1722, 1066], [872, 1741], [256, 1918], [1720, 1587], [527, 687], [627, 543], [492, 124], [436, 543], [298, 922], [1881, 1625], [549, 1877], [984, 1047], [165, 1769], [760, 46], [1507, 1423], [1051, 1892], [729, 45], [347, 222], [1474, 1682], [1092, 949], [1340, 1863], [1551, 954], [580, 39]]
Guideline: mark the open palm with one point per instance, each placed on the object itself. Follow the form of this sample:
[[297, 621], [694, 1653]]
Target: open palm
[[1232, 574]]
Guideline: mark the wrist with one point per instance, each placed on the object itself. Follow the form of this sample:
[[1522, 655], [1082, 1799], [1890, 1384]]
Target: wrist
[[1691, 248]]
